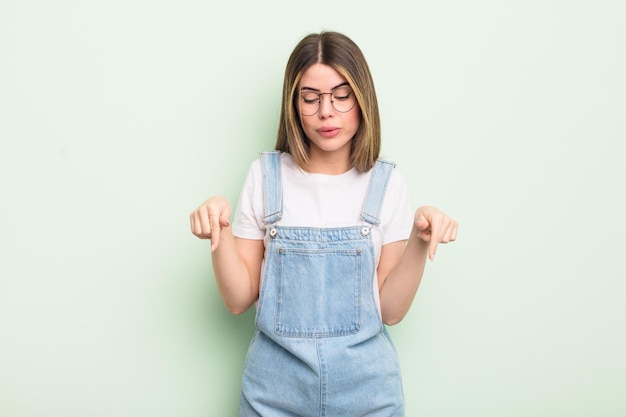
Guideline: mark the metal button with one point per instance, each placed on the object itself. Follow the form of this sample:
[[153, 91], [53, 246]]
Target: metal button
[[273, 232], [365, 231]]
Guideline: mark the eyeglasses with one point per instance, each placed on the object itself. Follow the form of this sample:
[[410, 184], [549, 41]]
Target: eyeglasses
[[342, 99]]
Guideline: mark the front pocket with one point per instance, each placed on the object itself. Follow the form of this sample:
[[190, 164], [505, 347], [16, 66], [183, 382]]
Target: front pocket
[[319, 292]]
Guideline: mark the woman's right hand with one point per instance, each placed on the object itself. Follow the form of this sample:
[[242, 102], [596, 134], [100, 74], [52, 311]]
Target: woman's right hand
[[208, 220]]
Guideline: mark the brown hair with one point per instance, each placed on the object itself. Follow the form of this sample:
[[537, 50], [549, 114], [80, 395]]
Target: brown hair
[[344, 56]]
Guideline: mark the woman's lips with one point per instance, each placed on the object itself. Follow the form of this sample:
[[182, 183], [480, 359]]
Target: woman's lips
[[328, 132]]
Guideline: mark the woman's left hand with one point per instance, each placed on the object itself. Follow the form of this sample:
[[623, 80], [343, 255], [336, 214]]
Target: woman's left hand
[[434, 227]]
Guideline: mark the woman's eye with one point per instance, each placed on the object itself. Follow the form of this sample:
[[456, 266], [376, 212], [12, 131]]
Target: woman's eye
[[342, 94]]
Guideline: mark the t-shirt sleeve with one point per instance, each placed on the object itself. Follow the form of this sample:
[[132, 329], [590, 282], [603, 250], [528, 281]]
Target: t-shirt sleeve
[[248, 220], [397, 216]]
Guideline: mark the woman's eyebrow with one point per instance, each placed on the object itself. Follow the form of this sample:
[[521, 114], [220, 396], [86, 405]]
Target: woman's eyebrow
[[316, 90]]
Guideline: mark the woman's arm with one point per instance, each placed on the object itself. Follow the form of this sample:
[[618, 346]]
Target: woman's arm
[[401, 264], [236, 262], [237, 267]]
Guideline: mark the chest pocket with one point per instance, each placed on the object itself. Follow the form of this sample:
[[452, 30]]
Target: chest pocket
[[318, 292]]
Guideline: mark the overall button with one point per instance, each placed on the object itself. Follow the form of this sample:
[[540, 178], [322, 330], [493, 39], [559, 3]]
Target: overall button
[[273, 232], [365, 231]]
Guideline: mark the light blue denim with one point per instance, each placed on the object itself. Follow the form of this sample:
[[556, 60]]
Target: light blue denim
[[320, 348]]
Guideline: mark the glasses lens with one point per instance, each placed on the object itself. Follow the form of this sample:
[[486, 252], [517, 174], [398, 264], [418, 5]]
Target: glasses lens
[[310, 103], [343, 99]]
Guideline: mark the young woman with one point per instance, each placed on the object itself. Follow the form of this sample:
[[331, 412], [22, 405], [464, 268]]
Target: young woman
[[324, 239]]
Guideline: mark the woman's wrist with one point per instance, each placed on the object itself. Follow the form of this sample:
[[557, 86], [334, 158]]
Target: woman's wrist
[[415, 240]]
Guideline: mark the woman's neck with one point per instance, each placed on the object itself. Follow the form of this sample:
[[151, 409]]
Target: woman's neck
[[329, 163]]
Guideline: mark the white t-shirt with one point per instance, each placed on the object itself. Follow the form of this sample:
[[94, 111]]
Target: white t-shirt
[[322, 201]]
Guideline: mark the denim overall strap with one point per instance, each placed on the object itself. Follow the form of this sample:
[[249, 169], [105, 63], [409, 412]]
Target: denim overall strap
[[376, 191], [272, 187]]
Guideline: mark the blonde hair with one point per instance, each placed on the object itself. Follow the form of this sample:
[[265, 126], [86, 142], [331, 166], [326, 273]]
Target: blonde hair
[[344, 56]]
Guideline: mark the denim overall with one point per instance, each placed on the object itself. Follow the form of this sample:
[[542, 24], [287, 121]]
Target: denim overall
[[320, 348]]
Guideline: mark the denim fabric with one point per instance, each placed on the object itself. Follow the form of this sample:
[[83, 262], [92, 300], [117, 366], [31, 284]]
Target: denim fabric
[[272, 190], [320, 348]]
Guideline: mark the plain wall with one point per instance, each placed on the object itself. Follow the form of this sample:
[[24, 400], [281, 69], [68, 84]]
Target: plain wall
[[118, 118]]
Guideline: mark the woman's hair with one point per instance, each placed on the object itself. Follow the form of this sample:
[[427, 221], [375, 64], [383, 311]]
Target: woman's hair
[[344, 56]]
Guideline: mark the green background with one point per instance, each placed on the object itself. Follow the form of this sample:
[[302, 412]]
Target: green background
[[118, 118]]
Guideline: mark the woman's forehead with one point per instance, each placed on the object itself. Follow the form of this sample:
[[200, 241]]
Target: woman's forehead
[[321, 77]]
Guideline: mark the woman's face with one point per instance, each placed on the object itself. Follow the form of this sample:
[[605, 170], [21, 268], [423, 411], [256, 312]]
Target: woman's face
[[329, 130]]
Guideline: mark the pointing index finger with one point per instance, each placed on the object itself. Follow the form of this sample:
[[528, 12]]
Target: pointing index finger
[[435, 238], [214, 221]]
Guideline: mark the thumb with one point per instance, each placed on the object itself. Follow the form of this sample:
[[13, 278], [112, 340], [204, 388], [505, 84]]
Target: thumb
[[421, 223], [225, 216], [424, 232]]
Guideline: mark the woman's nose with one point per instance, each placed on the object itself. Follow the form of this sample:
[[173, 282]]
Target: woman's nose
[[326, 105]]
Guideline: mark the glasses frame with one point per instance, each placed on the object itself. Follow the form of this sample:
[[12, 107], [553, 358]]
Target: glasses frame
[[332, 102]]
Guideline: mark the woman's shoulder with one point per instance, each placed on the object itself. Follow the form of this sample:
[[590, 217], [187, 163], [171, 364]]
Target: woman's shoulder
[[395, 175], [284, 157], [255, 170], [285, 160]]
